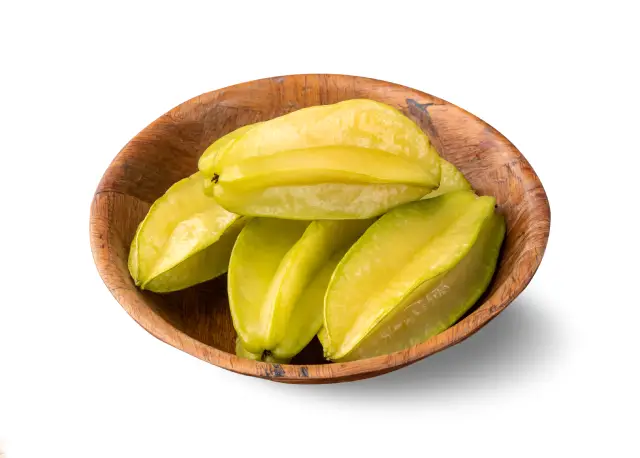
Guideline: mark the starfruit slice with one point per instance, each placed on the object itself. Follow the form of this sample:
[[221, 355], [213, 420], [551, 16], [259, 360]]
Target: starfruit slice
[[353, 159], [186, 238], [405, 248], [277, 275]]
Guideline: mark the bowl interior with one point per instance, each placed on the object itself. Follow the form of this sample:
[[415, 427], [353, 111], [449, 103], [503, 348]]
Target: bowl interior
[[197, 320]]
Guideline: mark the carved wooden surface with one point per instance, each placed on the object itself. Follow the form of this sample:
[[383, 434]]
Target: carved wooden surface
[[197, 320]]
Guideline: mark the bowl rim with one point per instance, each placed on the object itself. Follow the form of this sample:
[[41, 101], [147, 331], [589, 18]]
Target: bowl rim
[[140, 311]]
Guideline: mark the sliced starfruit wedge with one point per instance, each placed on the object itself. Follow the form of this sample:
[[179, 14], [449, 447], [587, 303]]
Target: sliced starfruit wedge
[[351, 160], [186, 238], [277, 277], [397, 258]]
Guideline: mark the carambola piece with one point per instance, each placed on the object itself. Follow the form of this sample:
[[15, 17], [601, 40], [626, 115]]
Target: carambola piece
[[278, 274], [186, 238], [352, 160], [412, 274]]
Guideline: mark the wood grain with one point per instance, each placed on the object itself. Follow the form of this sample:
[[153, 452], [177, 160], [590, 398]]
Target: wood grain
[[197, 320]]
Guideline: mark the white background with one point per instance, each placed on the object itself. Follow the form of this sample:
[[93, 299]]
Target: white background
[[555, 375]]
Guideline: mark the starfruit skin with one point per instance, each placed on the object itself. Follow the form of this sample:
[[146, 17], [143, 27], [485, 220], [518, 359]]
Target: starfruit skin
[[277, 276], [185, 239], [408, 246], [324, 164], [294, 187], [307, 317], [333, 201], [208, 159], [242, 352], [451, 180]]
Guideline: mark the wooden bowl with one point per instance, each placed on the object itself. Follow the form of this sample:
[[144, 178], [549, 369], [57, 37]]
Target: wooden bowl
[[197, 320]]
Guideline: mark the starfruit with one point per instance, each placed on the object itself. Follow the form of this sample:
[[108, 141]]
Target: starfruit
[[278, 273], [186, 238], [208, 159], [350, 160], [440, 302], [451, 179], [412, 274]]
